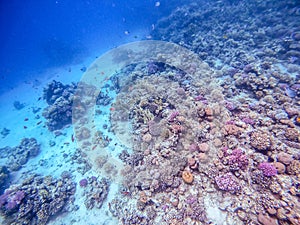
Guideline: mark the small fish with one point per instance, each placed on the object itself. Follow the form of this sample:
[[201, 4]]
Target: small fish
[[126, 32], [102, 73], [26, 119], [25, 127], [38, 123], [93, 148], [111, 109], [66, 143], [83, 69], [126, 193], [39, 98], [72, 138]]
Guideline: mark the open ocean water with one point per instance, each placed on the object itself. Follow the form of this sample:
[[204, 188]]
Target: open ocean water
[[171, 112]]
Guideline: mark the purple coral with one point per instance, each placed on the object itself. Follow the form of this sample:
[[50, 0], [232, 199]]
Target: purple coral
[[227, 182], [267, 169], [4, 198], [11, 200], [83, 182], [238, 160], [248, 120]]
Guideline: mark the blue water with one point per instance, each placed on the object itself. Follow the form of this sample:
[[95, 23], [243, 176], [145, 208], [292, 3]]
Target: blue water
[[36, 35]]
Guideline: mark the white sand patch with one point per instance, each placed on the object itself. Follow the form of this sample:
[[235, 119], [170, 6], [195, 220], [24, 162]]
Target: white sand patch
[[214, 214]]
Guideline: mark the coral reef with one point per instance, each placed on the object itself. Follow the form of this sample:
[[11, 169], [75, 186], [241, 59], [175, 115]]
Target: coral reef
[[230, 36], [4, 176], [60, 100], [199, 143], [17, 156], [95, 191], [222, 135], [36, 199]]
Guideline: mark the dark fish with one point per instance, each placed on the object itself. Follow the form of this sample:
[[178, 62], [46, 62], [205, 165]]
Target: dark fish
[[25, 127], [83, 69], [26, 119]]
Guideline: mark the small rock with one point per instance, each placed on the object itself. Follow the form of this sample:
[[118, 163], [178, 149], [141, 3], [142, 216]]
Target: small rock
[[280, 167], [202, 157], [147, 138], [271, 211], [266, 220], [175, 202], [281, 214], [179, 205], [217, 142], [203, 147], [242, 215], [284, 158]]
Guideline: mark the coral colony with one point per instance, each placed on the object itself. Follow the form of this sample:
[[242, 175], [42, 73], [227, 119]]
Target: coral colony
[[219, 148]]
